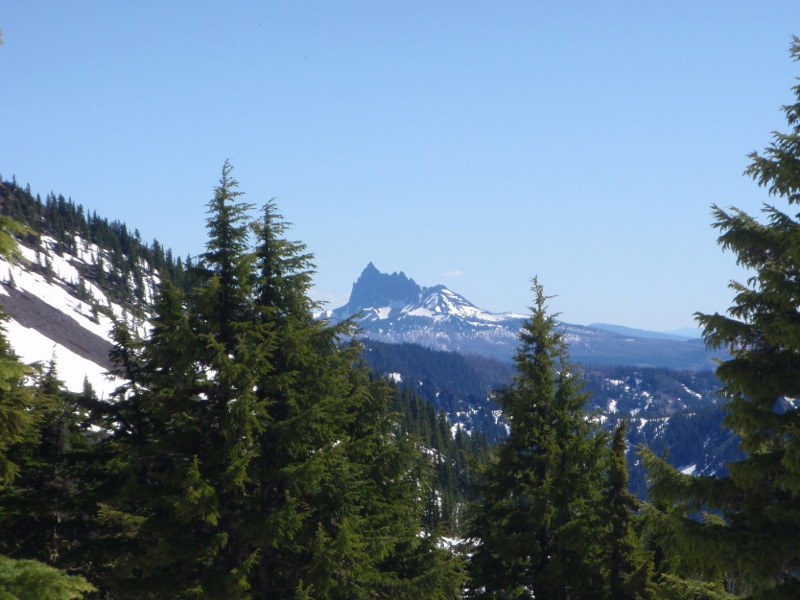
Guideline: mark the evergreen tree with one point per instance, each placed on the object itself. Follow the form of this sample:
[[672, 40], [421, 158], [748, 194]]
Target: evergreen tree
[[748, 543], [629, 569], [537, 518], [329, 448], [226, 259], [32, 580], [187, 428], [254, 455], [16, 418], [46, 513]]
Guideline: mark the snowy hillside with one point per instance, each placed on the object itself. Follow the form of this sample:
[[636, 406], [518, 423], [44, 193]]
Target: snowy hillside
[[55, 312]]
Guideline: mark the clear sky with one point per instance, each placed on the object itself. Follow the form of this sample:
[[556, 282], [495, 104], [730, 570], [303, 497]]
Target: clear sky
[[468, 143]]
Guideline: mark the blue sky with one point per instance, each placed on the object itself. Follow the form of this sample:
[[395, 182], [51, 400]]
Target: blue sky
[[473, 144]]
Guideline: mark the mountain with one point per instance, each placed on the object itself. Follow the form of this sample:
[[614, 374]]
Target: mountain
[[47, 320], [393, 308], [456, 355], [374, 288], [75, 274]]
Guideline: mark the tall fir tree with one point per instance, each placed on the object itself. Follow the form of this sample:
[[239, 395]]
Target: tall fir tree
[[255, 458], [187, 421], [629, 567], [328, 450], [739, 535], [224, 267], [18, 429], [537, 521], [16, 418]]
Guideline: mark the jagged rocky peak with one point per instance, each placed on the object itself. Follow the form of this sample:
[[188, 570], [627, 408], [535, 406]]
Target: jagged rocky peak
[[375, 289]]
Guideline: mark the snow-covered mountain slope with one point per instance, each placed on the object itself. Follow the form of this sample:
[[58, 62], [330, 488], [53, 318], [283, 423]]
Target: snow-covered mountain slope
[[394, 309], [56, 313], [438, 302]]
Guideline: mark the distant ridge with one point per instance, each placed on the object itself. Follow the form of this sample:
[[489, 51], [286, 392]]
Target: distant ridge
[[682, 334], [693, 333], [393, 308]]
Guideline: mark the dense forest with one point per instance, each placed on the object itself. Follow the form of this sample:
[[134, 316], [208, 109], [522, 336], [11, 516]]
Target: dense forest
[[250, 452]]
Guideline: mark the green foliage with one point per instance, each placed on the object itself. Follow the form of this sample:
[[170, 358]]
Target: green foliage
[[32, 580], [456, 457], [671, 587], [747, 544], [363, 534], [16, 418], [8, 244], [537, 522], [186, 427], [45, 513], [630, 569], [254, 456]]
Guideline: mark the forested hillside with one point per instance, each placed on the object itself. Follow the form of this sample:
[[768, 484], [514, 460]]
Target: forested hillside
[[677, 414], [130, 258]]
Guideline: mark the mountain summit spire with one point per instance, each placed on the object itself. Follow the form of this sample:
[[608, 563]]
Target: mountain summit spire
[[375, 289]]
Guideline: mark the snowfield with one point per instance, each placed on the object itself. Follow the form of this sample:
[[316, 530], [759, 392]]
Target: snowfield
[[68, 330]]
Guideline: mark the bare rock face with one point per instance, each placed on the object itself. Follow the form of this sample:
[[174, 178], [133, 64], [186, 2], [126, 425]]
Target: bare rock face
[[374, 289]]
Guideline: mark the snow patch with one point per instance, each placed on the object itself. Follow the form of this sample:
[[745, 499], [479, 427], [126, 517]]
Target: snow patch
[[32, 347]]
